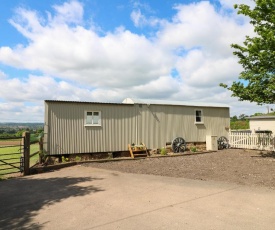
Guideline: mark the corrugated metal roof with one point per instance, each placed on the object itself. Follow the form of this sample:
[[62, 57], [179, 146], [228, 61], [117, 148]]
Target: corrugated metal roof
[[261, 117], [83, 102], [163, 102], [131, 101]]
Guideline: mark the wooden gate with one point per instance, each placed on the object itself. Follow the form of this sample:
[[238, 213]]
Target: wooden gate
[[260, 141], [14, 155]]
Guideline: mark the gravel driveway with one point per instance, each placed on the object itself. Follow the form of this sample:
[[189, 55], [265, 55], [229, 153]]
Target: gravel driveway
[[244, 167]]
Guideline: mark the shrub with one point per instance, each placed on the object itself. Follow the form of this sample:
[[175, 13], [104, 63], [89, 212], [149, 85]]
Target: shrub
[[65, 159], [163, 151], [77, 158], [193, 149]]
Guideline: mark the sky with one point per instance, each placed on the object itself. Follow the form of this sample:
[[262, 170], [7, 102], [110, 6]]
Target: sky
[[105, 51]]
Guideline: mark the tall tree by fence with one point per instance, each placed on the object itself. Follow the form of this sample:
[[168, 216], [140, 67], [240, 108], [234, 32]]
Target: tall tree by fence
[[257, 56]]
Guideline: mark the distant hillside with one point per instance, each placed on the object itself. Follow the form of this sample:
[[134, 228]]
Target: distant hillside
[[8, 129], [20, 125]]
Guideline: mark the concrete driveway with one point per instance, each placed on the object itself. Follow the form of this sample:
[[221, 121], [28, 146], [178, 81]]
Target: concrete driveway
[[82, 197]]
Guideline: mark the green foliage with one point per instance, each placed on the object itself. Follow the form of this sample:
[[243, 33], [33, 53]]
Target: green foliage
[[263, 114], [34, 138], [257, 56], [7, 135], [193, 149], [19, 133], [234, 118], [65, 159], [77, 158], [39, 131], [34, 159], [240, 124], [257, 114], [243, 117], [163, 151]]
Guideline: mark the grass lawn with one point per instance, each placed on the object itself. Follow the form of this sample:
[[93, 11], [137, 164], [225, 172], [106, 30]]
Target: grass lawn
[[14, 157], [34, 148]]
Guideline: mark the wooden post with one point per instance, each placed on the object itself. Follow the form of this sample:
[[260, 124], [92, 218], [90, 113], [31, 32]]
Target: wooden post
[[40, 149], [26, 136]]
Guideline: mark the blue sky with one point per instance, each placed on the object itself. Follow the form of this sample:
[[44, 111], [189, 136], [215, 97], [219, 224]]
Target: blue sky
[[102, 50]]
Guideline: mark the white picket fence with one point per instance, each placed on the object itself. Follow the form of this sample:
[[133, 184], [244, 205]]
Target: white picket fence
[[261, 141]]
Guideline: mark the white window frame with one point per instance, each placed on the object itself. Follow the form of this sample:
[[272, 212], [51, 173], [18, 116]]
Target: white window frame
[[202, 120], [92, 120]]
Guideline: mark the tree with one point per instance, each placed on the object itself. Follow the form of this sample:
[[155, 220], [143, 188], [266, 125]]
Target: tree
[[234, 118], [243, 117], [240, 124], [257, 114], [20, 133], [257, 55]]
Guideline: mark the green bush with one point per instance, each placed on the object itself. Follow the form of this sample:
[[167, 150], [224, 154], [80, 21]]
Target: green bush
[[193, 149], [241, 124], [163, 151], [65, 159], [34, 138], [77, 158]]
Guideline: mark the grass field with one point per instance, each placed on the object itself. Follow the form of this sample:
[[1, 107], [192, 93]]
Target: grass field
[[14, 150]]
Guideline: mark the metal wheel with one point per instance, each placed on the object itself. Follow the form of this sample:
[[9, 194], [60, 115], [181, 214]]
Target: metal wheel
[[223, 143], [178, 145]]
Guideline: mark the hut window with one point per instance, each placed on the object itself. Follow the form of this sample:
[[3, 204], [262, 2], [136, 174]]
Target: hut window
[[93, 118], [198, 116]]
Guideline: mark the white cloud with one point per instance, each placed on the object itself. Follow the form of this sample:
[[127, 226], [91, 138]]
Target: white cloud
[[92, 67], [39, 88], [2, 75], [69, 12], [140, 20], [202, 37], [20, 112], [200, 25], [117, 59], [27, 22], [199, 70], [162, 88], [231, 3]]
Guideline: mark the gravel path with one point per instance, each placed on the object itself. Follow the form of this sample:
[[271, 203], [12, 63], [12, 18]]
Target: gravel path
[[245, 167]]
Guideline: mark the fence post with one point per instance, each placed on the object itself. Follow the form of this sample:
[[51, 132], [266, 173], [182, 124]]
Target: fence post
[[41, 140], [26, 136]]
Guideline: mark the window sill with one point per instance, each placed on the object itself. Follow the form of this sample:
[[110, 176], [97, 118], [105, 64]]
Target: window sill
[[199, 123], [92, 125]]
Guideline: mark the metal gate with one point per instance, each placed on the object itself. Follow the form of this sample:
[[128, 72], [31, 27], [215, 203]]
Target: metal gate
[[11, 155]]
